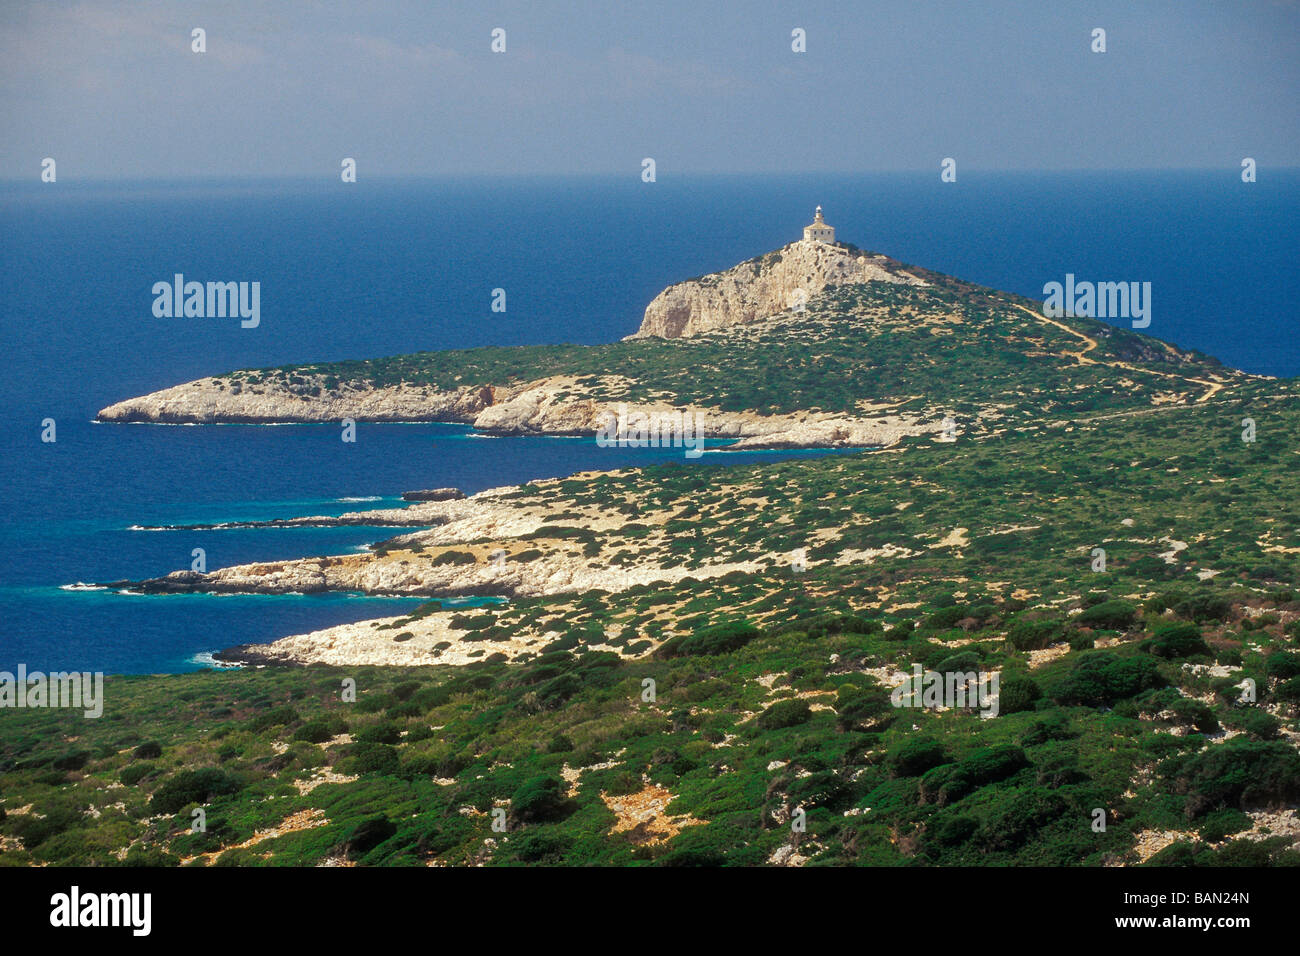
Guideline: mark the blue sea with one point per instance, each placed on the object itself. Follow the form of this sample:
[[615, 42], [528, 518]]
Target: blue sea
[[378, 268]]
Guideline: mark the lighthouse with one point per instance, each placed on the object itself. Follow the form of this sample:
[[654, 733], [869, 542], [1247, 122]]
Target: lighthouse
[[819, 231]]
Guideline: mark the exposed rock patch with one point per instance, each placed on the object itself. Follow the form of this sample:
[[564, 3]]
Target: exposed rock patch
[[762, 287], [552, 406]]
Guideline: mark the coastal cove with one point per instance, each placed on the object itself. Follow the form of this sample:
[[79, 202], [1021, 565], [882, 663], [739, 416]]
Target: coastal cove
[[395, 270], [148, 521]]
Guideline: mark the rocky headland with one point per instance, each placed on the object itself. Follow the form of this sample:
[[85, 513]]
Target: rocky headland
[[774, 285], [759, 288]]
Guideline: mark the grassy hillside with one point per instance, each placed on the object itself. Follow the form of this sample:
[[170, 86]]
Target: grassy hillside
[[1119, 688]]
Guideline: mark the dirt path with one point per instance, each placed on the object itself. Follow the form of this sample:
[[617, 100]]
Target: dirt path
[[1082, 357]]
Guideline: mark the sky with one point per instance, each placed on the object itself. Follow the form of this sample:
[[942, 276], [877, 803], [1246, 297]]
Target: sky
[[112, 90]]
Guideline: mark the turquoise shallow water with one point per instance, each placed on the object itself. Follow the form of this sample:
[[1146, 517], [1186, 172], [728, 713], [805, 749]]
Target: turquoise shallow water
[[130, 633]]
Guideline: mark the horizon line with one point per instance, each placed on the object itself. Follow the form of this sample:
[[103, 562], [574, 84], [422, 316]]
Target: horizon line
[[631, 174]]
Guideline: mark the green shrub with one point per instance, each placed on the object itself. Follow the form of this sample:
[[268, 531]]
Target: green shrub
[[539, 847], [962, 662], [555, 692], [540, 799], [472, 622], [946, 618], [1221, 824], [1016, 818], [193, 786], [321, 729], [133, 774], [1181, 853], [1288, 690], [1204, 608], [1282, 665], [1101, 677], [991, 764], [1246, 853], [915, 757], [453, 557], [1237, 774], [367, 835], [784, 713], [404, 710], [855, 706], [75, 760], [276, 717], [1058, 770], [944, 785], [149, 750], [1033, 635], [416, 734], [1196, 713], [1228, 656], [406, 689], [55, 818], [901, 631], [370, 757], [1258, 724], [1055, 727], [1108, 616], [821, 789], [1176, 640], [148, 856], [954, 831], [718, 639], [384, 732]]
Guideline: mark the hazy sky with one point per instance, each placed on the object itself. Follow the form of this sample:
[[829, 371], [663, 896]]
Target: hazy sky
[[111, 89]]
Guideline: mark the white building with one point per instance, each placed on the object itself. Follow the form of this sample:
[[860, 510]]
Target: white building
[[819, 231]]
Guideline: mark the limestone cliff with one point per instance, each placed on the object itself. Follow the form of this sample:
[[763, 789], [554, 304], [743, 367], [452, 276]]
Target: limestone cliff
[[557, 405], [221, 399], [763, 287]]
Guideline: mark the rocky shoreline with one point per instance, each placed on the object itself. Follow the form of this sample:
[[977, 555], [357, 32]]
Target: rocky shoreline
[[434, 494], [502, 542], [557, 406], [352, 519], [252, 655], [497, 543], [424, 641]]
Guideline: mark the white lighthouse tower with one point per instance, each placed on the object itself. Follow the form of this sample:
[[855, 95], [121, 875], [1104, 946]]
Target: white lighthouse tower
[[819, 231]]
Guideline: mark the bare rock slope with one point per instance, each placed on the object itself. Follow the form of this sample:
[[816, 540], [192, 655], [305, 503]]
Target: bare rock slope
[[762, 287]]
